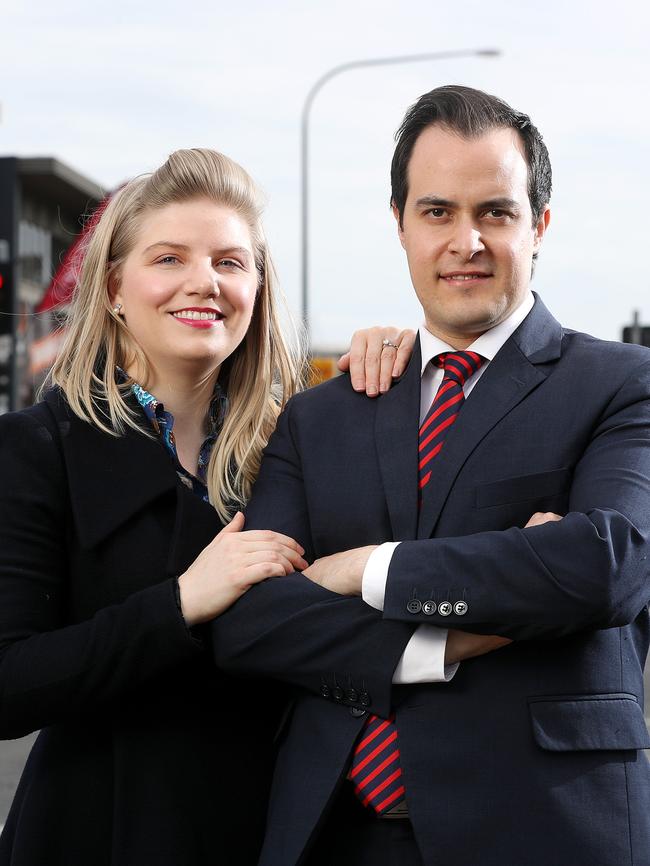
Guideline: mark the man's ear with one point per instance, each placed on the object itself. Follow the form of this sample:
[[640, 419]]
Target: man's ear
[[398, 220], [540, 228]]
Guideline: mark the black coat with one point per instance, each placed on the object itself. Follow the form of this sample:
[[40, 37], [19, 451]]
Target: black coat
[[147, 754]]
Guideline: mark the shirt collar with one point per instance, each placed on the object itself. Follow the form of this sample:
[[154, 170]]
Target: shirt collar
[[487, 345], [155, 411]]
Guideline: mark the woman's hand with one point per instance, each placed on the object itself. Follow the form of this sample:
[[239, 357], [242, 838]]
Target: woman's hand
[[372, 364], [231, 564]]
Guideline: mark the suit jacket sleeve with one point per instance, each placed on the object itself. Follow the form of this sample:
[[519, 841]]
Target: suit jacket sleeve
[[590, 570], [292, 629], [51, 669]]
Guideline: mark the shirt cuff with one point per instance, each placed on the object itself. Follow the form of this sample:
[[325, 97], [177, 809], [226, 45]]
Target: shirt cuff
[[375, 574], [423, 659]]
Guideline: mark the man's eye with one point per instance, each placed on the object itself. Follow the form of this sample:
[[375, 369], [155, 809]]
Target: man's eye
[[497, 213], [437, 212]]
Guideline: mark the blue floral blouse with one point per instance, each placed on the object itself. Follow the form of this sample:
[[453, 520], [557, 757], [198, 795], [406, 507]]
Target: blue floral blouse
[[163, 425]]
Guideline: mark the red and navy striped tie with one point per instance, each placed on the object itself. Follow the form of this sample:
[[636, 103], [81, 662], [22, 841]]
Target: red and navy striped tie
[[458, 367], [376, 772]]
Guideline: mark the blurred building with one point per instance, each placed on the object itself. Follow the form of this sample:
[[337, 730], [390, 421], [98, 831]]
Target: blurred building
[[43, 203], [636, 332]]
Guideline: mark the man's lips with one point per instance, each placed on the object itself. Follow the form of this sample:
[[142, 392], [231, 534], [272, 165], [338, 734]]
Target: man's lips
[[465, 276]]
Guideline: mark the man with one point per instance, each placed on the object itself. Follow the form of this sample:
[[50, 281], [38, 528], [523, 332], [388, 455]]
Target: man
[[527, 755]]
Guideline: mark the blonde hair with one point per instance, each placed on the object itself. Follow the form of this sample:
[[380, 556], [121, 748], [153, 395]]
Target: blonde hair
[[262, 372]]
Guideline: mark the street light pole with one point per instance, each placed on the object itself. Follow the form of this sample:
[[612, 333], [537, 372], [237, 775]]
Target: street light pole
[[304, 137]]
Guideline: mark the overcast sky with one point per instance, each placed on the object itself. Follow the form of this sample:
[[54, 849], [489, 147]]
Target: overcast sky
[[112, 88]]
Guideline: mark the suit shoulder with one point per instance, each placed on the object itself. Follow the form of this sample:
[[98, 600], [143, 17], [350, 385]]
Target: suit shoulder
[[337, 391], [617, 357]]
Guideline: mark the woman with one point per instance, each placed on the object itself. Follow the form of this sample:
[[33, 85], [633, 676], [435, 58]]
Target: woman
[[146, 755]]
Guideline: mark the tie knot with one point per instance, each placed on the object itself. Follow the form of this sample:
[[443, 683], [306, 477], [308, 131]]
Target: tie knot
[[459, 365]]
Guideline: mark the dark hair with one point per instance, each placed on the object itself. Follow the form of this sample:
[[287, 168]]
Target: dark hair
[[470, 113]]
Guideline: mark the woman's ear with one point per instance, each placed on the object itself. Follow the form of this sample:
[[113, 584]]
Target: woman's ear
[[113, 286]]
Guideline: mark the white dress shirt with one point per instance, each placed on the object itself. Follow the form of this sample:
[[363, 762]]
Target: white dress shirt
[[423, 660]]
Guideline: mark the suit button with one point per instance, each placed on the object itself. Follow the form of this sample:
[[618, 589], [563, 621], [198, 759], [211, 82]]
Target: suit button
[[429, 607], [352, 695], [364, 698], [460, 608], [444, 608], [325, 691], [414, 606], [357, 712], [337, 693]]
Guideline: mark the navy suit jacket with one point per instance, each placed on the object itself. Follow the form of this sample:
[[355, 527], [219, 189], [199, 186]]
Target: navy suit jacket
[[530, 755]]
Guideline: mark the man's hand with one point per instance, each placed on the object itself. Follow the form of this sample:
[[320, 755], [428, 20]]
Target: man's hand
[[341, 572], [372, 364], [540, 517], [462, 645]]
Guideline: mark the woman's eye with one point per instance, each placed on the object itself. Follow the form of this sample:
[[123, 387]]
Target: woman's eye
[[228, 263], [167, 260]]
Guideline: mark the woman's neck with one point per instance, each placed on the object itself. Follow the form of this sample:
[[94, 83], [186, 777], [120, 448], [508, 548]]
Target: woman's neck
[[188, 399]]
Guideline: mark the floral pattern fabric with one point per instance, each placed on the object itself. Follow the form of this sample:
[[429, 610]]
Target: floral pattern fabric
[[163, 425]]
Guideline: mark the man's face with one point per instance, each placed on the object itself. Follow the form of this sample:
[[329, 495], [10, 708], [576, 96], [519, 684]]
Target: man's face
[[468, 230]]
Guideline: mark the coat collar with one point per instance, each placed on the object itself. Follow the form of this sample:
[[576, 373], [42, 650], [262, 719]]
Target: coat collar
[[514, 372], [112, 478]]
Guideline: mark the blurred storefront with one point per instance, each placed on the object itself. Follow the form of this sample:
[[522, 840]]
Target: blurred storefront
[[43, 204]]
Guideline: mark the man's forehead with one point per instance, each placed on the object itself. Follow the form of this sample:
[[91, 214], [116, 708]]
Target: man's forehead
[[489, 165]]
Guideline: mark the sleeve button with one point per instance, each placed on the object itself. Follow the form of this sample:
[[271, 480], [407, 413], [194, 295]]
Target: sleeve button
[[444, 608], [414, 606], [460, 608], [429, 607]]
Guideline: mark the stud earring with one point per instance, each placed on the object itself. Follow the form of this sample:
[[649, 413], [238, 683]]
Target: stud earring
[[117, 309]]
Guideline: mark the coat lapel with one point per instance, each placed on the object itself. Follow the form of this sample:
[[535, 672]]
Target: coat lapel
[[396, 437], [514, 372], [112, 478], [195, 527]]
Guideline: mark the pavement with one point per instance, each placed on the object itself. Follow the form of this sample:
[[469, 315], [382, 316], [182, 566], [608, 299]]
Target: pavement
[[13, 754]]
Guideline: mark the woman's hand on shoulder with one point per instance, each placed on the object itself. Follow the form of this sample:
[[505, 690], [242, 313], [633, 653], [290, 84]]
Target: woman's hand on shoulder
[[231, 564], [376, 356]]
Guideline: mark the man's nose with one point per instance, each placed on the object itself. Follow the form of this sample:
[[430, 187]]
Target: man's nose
[[466, 240]]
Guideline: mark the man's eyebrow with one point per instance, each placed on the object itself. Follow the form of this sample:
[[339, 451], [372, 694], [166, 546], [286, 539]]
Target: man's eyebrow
[[500, 204], [434, 201]]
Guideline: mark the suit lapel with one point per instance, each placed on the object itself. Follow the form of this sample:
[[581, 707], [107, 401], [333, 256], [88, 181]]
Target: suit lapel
[[515, 371], [396, 438]]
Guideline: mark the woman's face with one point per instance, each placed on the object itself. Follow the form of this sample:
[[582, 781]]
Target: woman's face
[[188, 287]]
